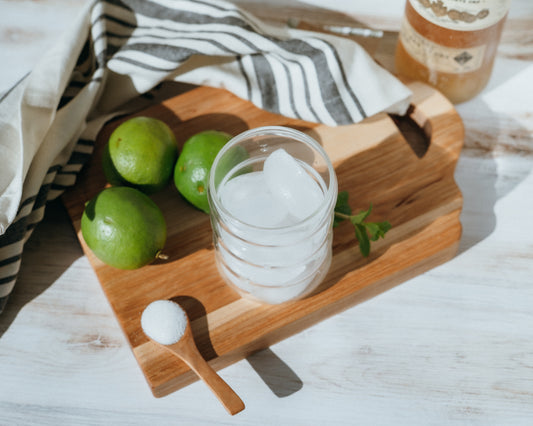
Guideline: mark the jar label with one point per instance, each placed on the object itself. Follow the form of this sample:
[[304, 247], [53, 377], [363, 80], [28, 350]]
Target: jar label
[[437, 57], [462, 15]]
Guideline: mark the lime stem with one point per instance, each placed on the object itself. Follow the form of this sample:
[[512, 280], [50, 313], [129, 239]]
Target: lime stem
[[161, 256]]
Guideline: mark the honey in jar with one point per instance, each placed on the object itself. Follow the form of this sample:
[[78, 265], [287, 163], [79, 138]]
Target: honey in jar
[[451, 44]]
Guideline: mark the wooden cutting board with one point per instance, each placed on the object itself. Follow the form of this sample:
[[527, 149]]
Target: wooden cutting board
[[409, 182]]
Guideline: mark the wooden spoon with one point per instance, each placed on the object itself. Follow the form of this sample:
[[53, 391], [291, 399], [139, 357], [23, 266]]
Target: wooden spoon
[[185, 348]]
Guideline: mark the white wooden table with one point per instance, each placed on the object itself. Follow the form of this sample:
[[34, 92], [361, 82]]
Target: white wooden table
[[452, 346]]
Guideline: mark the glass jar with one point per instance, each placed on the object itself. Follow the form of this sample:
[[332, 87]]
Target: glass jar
[[451, 44], [272, 264]]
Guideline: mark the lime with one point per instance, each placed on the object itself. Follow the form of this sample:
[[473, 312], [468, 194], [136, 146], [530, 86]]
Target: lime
[[191, 173], [141, 152], [123, 227]]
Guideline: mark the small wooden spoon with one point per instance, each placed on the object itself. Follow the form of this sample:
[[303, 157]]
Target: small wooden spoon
[[185, 348]]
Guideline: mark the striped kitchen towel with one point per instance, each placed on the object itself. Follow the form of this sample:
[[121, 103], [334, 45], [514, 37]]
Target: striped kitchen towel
[[120, 49]]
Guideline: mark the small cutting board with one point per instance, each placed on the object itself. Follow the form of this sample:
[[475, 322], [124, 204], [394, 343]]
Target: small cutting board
[[408, 180]]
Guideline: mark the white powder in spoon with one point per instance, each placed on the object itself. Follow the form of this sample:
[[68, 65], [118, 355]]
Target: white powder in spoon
[[164, 321]]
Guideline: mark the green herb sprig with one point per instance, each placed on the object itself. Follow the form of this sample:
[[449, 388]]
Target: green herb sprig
[[364, 231]]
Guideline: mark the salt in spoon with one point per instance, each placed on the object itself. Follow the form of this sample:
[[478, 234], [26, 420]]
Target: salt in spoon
[[166, 324]]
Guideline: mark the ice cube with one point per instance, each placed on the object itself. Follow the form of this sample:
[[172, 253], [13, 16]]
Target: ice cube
[[292, 185], [248, 198]]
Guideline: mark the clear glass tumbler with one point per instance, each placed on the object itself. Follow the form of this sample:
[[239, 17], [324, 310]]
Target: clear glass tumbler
[[272, 264]]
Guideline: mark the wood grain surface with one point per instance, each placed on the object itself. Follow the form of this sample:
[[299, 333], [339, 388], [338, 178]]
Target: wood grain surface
[[409, 181]]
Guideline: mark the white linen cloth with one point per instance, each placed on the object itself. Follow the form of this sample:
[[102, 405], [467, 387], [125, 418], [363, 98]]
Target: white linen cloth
[[118, 50]]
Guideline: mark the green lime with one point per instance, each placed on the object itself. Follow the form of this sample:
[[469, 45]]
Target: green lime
[[191, 173], [141, 152], [123, 227]]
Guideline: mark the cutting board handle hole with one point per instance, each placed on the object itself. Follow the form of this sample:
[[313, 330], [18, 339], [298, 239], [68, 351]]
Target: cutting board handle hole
[[415, 129]]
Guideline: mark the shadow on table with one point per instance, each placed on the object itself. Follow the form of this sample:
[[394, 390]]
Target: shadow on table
[[277, 375], [481, 172], [40, 268]]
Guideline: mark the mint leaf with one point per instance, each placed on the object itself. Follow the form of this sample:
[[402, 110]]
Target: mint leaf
[[364, 231], [342, 208], [377, 230], [359, 217], [362, 238]]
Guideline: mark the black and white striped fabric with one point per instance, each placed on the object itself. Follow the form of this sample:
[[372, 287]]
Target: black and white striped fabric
[[118, 50]]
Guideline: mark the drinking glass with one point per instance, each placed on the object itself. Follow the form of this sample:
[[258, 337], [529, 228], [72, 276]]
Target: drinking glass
[[272, 264]]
